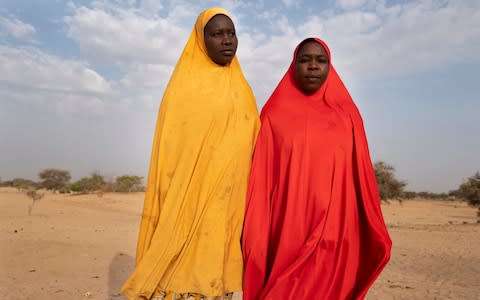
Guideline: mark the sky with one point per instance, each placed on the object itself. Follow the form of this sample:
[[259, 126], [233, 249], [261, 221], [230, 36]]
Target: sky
[[81, 81]]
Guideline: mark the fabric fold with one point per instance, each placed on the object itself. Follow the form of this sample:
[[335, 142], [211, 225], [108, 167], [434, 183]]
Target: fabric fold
[[313, 226], [189, 239]]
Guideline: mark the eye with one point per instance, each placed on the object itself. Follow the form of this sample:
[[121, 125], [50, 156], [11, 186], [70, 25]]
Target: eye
[[232, 33], [322, 59], [303, 59]]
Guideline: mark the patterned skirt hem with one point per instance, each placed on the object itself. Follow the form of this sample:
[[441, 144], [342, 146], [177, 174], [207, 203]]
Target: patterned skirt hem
[[190, 296]]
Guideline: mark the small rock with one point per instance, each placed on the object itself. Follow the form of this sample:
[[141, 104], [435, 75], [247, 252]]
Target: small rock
[[409, 287]]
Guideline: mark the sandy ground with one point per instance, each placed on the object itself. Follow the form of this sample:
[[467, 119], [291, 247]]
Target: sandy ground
[[82, 247]]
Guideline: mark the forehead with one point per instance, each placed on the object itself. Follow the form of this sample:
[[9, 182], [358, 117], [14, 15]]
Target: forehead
[[219, 21], [311, 48]]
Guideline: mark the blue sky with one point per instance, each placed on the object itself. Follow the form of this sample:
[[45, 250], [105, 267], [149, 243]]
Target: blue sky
[[81, 81]]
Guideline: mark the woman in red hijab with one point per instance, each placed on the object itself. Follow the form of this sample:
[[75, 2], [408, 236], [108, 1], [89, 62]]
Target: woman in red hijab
[[313, 226]]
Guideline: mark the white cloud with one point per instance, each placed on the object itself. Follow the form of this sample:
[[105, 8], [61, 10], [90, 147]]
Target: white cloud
[[142, 86], [151, 7], [265, 60], [401, 39], [382, 41], [290, 3], [146, 76], [137, 43], [57, 103], [350, 4], [123, 36], [33, 68], [232, 5], [17, 29], [267, 15], [50, 83]]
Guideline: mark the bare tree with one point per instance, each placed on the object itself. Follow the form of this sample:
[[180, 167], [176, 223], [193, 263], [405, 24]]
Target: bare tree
[[35, 196]]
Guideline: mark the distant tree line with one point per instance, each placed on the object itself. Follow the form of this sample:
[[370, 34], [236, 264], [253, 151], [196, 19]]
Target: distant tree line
[[389, 186], [392, 188], [60, 181]]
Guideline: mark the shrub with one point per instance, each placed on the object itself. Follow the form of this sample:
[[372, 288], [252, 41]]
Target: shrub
[[128, 183], [23, 184], [470, 191], [388, 185], [54, 179], [94, 183], [35, 196]]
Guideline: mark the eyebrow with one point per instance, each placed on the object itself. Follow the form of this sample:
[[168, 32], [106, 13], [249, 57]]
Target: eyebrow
[[220, 28], [309, 54]]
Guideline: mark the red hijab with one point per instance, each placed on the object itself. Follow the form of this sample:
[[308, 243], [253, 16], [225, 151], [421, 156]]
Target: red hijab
[[313, 225]]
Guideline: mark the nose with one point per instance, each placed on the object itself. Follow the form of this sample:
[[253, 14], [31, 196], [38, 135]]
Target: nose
[[227, 40], [313, 65]]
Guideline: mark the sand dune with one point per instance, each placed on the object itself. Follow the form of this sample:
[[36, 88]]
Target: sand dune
[[82, 247]]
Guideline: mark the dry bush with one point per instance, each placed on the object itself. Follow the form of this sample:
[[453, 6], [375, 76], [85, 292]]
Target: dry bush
[[128, 184], [91, 184], [54, 179], [470, 191], [388, 185], [23, 184], [35, 196]]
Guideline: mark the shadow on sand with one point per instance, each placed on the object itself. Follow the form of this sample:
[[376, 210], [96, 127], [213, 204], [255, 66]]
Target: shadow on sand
[[120, 268]]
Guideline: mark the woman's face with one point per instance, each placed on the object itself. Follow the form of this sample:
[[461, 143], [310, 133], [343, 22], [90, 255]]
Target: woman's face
[[311, 67], [220, 39]]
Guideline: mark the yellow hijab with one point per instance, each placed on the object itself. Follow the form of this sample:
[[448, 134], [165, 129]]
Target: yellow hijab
[[189, 238]]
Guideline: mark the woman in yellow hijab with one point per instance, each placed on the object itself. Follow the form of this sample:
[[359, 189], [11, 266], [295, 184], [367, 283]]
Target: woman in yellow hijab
[[189, 241]]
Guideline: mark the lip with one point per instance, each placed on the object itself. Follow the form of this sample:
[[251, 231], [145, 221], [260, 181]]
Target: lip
[[313, 78], [227, 52]]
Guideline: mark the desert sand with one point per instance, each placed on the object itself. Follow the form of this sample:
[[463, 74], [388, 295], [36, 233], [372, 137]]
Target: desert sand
[[83, 247]]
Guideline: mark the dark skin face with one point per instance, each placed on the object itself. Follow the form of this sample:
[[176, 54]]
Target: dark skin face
[[220, 39], [311, 67]]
